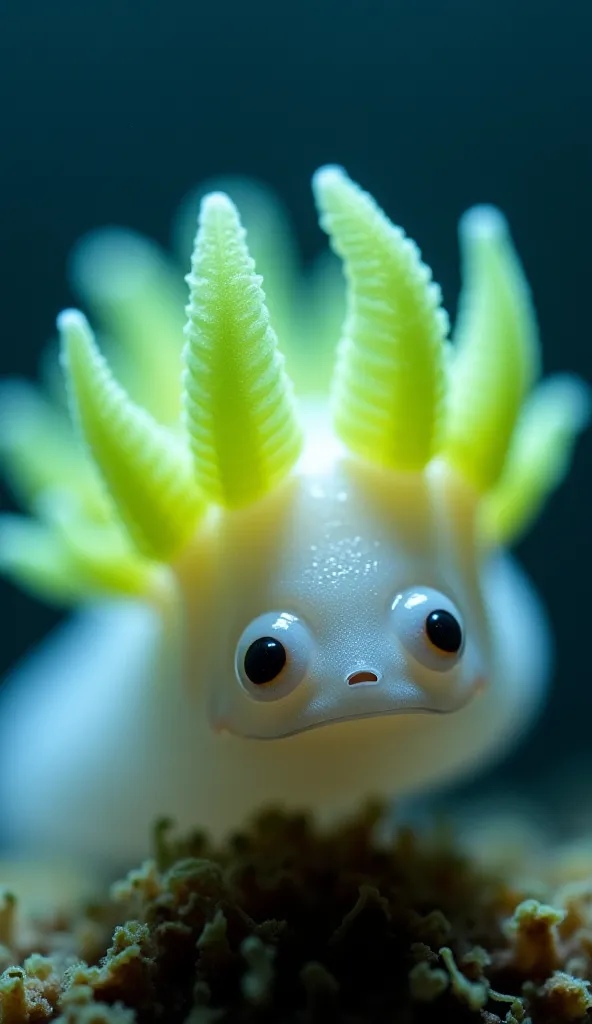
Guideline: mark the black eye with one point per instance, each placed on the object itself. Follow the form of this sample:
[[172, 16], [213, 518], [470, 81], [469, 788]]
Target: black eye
[[444, 631], [264, 660], [273, 655]]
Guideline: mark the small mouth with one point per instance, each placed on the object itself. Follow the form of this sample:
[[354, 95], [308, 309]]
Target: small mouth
[[362, 677]]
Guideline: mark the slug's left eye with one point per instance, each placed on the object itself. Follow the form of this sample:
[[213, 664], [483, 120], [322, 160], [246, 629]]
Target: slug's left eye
[[430, 626], [264, 660], [273, 655]]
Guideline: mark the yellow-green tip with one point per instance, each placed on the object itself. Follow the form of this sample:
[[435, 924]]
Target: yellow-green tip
[[239, 407], [146, 471]]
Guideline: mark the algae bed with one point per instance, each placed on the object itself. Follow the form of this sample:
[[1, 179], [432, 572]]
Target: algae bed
[[287, 923]]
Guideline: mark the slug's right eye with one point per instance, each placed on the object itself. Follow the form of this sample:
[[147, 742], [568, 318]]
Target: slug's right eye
[[273, 656], [430, 627]]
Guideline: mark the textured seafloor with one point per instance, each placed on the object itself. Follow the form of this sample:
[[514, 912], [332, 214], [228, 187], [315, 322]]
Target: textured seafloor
[[287, 924]]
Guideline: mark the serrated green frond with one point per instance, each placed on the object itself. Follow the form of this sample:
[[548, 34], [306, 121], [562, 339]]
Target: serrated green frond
[[38, 450], [389, 386], [539, 457], [496, 349], [136, 296], [147, 473], [272, 244], [306, 305], [238, 400]]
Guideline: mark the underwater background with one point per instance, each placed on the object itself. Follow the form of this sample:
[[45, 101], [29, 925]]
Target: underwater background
[[113, 111]]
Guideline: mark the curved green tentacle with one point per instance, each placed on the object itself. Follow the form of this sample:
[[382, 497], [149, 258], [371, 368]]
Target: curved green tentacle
[[497, 353], [147, 472], [239, 407], [390, 382]]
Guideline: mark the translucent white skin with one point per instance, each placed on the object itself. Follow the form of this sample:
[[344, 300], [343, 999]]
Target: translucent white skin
[[125, 716]]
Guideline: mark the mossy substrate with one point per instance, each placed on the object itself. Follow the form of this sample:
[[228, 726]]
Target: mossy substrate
[[288, 923]]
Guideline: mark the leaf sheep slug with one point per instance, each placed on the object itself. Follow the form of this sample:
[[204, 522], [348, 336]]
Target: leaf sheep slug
[[287, 599]]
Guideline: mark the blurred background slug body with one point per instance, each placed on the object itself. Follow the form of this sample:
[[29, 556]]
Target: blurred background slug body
[[286, 599]]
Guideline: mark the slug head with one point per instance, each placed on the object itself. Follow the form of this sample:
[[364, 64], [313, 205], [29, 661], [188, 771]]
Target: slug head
[[346, 595]]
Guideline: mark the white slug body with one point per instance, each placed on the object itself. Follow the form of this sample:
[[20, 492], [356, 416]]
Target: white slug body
[[114, 729], [315, 603]]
